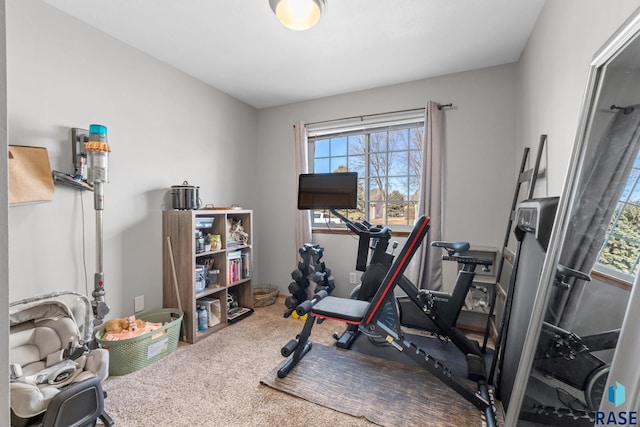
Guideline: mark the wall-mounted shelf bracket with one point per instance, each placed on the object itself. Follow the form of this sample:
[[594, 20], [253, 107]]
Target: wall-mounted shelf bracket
[[78, 180]]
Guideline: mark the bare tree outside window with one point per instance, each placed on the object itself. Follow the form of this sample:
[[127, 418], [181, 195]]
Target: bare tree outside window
[[388, 163], [620, 254]]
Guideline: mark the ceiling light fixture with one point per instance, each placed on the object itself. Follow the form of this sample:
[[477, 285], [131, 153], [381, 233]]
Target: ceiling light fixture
[[298, 15]]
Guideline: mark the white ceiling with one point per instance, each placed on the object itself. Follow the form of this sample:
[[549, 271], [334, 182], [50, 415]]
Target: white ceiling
[[239, 47]]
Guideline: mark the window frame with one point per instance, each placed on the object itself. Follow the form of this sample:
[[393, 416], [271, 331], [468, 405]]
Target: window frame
[[388, 122], [605, 272]]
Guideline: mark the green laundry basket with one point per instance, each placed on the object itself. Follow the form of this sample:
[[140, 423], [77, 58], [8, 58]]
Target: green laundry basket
[[129, 355]]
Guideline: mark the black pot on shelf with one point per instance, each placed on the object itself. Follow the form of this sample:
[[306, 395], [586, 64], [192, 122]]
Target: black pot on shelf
[[185, 196]]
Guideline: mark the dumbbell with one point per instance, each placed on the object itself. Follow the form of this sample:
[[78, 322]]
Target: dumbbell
[[296, 275], [331, 285], [291, 302], [294, 287]]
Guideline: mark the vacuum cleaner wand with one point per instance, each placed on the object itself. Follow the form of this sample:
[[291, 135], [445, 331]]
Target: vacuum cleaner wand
[[100, 307], [98, 154]]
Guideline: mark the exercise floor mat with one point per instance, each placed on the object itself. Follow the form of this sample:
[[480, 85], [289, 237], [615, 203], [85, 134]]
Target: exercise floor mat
[[384, 392]]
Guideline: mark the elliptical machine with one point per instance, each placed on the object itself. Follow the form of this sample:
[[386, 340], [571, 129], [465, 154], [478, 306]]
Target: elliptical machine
[[365, 315], [385, 271], [433, 311], [438, 312]]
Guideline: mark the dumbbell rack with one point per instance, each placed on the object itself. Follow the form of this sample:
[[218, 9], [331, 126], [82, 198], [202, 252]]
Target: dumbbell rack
[[311, 276]]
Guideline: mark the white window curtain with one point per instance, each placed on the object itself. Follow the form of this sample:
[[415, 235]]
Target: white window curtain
[[302, 217], [428, 273]]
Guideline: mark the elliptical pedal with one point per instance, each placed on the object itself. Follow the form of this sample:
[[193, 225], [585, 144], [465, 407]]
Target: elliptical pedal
[[475, 366]]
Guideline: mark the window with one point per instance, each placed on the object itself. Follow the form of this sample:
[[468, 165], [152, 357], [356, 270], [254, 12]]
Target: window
[[620, 254], [388, 161]]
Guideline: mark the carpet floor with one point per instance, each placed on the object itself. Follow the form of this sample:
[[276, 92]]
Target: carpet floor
[[217, 382]]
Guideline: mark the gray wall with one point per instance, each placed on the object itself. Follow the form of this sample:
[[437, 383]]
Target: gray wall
[[164, 127], [552, 75], [479, 178]]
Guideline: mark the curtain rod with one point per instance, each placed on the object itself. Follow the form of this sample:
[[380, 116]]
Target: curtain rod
[[625, 110], [411, 110]]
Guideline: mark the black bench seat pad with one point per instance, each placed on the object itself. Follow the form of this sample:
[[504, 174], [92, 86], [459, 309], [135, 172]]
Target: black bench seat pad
[[347, 309]]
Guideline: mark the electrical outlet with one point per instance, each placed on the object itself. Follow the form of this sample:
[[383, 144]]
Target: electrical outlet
[[353, 278], [138, 304]]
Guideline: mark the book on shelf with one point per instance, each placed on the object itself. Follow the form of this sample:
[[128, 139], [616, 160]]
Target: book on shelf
[[238, 266], [239, 314], [246, 265]]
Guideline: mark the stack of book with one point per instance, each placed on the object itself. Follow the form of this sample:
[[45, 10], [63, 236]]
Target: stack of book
[[238, 266]]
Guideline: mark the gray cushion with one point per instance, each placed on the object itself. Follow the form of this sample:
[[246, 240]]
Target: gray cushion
[[346, 309]]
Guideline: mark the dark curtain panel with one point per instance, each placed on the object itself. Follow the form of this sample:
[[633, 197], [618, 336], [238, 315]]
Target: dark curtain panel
[[604, 175]]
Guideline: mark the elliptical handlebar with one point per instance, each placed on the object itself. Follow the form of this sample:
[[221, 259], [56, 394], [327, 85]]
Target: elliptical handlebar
[[372, 231], [564, 273], [363, 228], [366, 232]]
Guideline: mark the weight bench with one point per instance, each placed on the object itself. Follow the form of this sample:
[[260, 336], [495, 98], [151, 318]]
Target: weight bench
[[365, 315]]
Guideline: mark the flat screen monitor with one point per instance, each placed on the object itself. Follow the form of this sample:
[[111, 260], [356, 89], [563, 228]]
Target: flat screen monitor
[[328, 190]]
